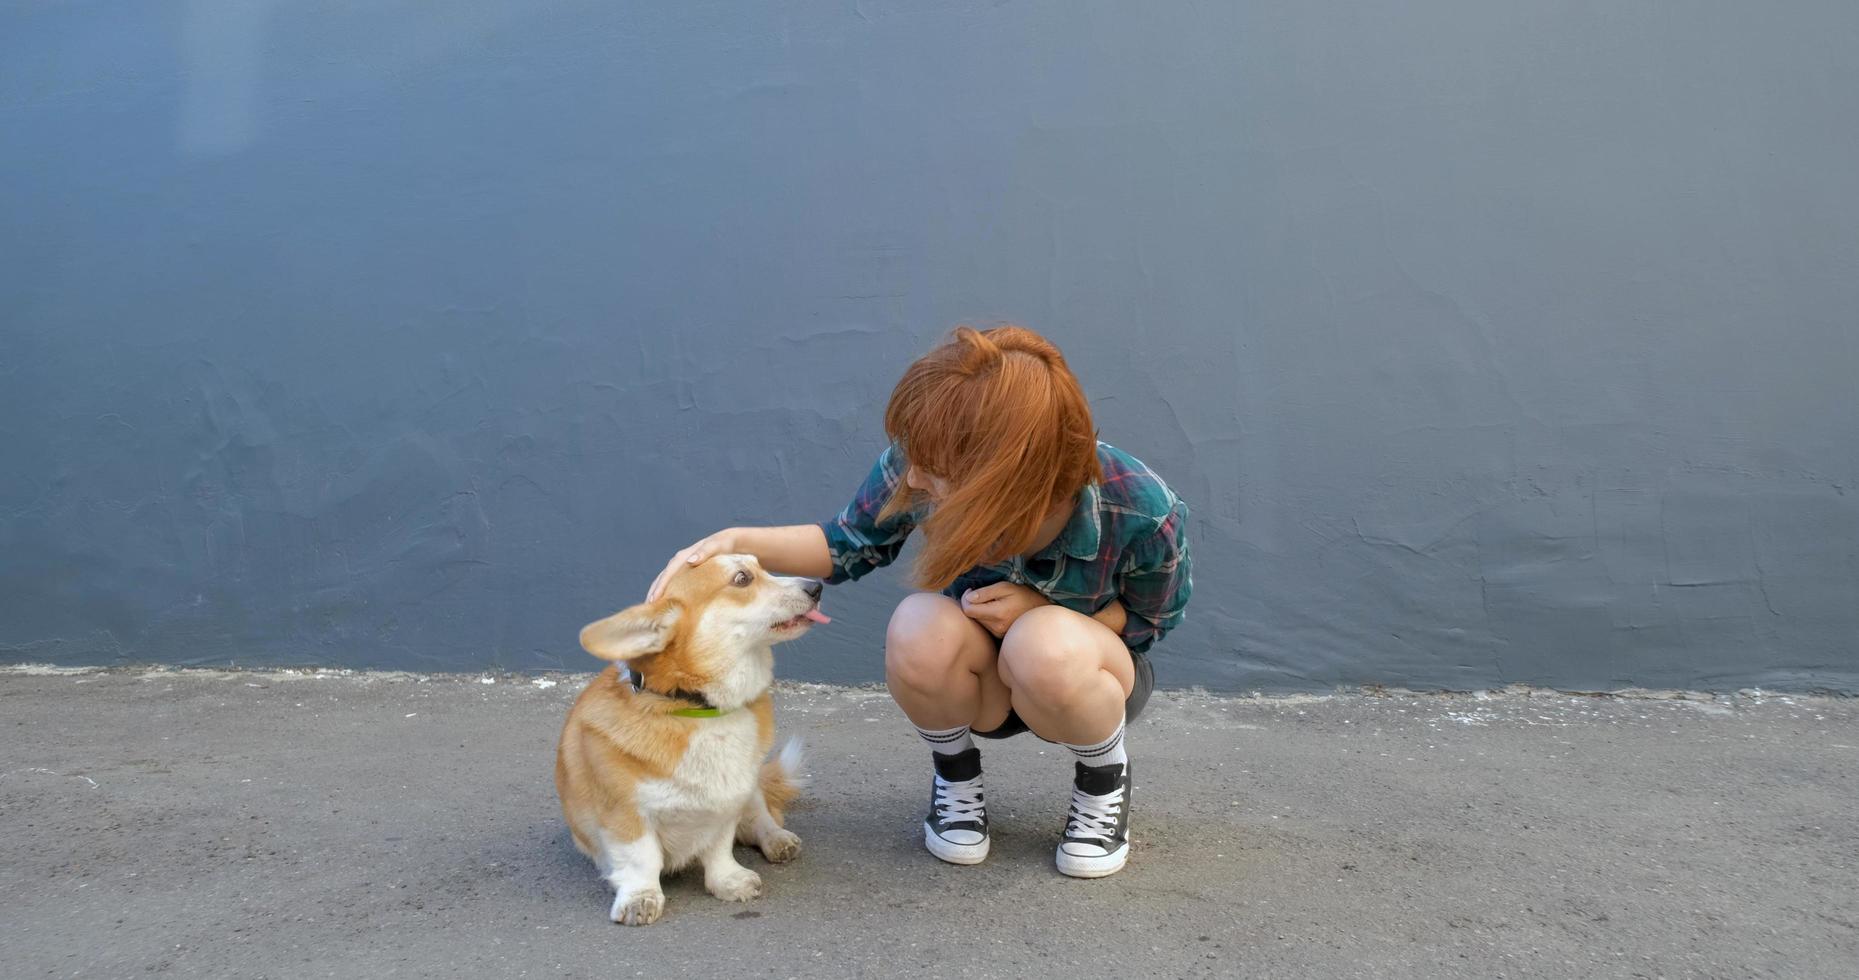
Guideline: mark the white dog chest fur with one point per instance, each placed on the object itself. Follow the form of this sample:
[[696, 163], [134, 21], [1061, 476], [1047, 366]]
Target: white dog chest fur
[[708, 788]]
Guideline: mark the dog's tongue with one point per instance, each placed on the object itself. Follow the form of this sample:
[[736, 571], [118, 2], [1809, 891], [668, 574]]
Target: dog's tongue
[[818, 616]]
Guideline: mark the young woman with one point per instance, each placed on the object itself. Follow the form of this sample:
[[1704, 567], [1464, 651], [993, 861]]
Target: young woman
[[1052, 562]]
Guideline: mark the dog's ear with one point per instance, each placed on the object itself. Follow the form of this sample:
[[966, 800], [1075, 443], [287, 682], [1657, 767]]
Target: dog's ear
[[641, 631]]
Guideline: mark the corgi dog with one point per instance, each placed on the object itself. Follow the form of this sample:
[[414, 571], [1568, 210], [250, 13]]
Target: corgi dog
[[663, 767]]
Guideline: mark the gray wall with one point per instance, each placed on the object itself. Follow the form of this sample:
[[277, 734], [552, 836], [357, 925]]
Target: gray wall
[[1492, 342]]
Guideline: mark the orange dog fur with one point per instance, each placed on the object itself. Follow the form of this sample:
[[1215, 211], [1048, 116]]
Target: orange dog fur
[[646, 789]]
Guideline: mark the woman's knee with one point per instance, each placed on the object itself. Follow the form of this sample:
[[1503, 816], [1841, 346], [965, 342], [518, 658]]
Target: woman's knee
[[1050, 655], [924, 641]]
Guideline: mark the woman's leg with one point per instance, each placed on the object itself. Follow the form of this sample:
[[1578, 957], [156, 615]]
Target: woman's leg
[[1070, 676], [940, 666]]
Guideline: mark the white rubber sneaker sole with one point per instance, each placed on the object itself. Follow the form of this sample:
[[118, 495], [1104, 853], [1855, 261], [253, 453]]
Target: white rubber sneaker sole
[[955, 853], [1096, 866]]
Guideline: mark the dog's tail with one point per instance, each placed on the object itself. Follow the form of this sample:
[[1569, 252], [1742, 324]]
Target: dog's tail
[[781, 777]]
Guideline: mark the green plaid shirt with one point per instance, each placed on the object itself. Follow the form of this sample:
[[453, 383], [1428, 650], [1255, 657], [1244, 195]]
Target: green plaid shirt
[[1127, 540]]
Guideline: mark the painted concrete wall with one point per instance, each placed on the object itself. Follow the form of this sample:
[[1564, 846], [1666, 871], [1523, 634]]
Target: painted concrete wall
[[1491, 342]]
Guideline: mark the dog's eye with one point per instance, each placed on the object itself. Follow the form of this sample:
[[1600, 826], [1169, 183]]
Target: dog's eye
[[741, 579]]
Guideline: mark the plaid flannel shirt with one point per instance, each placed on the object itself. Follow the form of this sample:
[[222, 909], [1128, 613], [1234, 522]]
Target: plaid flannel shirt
[[1127, 540]]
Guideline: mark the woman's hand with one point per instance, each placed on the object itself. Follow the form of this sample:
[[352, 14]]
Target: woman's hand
[[721, 543], [996, 606]]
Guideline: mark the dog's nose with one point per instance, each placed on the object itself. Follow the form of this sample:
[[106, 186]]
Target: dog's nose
[[814, 587]]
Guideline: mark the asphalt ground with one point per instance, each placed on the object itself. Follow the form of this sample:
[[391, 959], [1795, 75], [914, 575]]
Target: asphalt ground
[[306, 824]]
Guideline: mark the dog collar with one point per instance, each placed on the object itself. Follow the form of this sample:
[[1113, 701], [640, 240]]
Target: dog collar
[[707, 711]]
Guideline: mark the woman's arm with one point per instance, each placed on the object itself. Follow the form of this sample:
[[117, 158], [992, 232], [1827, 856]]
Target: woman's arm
[[798, 549], [855, 542], [1113, 616], [1154, 591]]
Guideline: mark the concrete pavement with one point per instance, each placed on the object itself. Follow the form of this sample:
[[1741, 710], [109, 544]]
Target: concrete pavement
[[226, 824]]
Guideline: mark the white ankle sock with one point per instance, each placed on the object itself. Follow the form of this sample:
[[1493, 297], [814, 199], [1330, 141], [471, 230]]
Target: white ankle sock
[[1103, 753], [949, 741]]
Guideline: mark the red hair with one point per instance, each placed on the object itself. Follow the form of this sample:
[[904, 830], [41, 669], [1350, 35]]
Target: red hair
[[998, 415]]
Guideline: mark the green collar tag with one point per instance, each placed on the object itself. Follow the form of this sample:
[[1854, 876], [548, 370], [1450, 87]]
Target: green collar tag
[[707, 711]]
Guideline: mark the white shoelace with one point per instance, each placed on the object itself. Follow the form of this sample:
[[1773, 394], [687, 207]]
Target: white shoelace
[[1094, 816], [959, 801]]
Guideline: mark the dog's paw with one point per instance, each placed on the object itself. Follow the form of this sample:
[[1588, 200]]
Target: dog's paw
[[739, 885], [780, 846], [638, 908]]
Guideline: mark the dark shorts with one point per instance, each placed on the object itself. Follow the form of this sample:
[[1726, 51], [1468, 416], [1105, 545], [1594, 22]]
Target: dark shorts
[[1132, 706]]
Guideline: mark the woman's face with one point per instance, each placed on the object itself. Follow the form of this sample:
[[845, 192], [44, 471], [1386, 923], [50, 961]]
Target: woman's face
[[933, 487]]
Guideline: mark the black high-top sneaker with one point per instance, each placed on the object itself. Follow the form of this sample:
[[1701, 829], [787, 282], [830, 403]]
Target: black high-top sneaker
[[956, 829], [1097, 830]]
